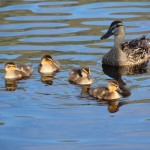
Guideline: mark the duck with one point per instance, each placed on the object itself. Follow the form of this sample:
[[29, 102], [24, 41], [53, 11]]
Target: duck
[[48, 65], [17, 71], [81, 76], [111, 92], [130, 53]]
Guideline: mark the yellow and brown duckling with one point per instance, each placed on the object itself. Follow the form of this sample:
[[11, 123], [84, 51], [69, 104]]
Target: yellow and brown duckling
[[131, 53], [106, 93], [48, 65], [81, 76], [17, 71]]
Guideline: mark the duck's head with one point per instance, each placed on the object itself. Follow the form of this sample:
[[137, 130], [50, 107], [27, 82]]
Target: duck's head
[[46, 60], [113, 85], [84, 71], [10, 66], [116, 28]]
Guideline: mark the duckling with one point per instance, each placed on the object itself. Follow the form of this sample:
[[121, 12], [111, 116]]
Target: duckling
[[106, 93], [48, 65], [81, 76], [134, 52], [17, 71]]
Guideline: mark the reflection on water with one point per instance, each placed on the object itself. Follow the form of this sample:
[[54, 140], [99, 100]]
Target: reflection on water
[[47, 79], [117, 72], [62, 115], [11, 84]]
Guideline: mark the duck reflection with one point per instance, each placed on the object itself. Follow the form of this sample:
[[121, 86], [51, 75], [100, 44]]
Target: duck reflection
[[113, 106], [117, 72], [11, 84], [47, 79], [85, 89]]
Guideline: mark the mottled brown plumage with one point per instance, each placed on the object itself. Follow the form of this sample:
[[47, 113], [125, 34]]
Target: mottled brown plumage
[[81, 76], [17, 71], [48, 65], [106, 93], [134, 52]]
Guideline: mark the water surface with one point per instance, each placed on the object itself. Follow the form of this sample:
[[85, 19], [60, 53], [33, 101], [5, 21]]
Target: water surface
[[38, 116]]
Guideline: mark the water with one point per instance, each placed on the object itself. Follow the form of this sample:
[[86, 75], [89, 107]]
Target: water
[[38, 116]]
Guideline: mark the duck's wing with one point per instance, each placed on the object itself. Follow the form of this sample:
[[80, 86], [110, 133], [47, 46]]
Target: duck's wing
[[26, 69], [20, 74], [98, 92], [57, 64], [137, 49]]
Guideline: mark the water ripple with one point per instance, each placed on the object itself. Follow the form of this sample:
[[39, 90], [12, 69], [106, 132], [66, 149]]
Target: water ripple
[[62, 115]]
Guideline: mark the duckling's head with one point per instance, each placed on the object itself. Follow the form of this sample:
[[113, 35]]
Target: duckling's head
[[46, 60], [84, 72], [116, 28], [113, 86], [10, 66]]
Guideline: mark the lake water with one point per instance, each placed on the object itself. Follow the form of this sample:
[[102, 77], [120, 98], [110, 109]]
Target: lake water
[[60, 116]]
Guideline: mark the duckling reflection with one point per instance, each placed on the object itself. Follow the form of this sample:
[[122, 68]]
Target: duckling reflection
[[48, 66], [111, 92], [81, 76], [113, 106], [17, 71], [11, 84], [47, 79], [85, 89], [117, 72]]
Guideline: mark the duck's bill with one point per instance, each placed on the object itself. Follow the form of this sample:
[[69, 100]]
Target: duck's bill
[[107, 35]]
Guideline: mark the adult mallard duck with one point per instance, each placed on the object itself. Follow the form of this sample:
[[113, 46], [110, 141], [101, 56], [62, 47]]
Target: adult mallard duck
[[17, 71], [48, 65], [130, 53], [81, 76]]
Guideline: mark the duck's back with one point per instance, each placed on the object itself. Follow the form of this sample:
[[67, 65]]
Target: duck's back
[[104, 94], [25, 69], [74, 75], [137, 50], [98, 92]]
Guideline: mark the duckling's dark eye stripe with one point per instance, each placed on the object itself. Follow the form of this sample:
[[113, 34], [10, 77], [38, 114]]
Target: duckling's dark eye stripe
[[10, 66], [114, 84], [85, 71]]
